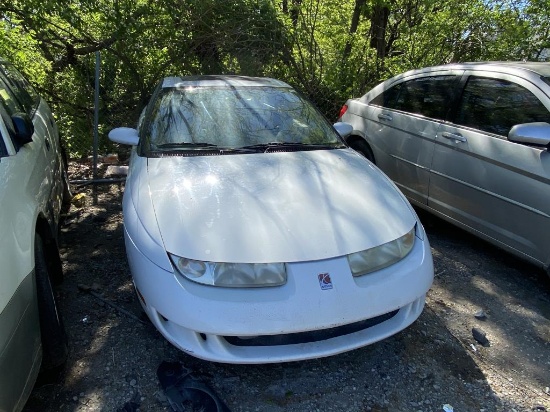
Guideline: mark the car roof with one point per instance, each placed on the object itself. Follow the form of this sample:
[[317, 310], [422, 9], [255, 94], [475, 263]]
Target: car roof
[[221, 81], [532, 71], [525, 69], [541, 68]]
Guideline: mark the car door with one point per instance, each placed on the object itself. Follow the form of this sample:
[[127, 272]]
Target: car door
[[497, 188], [405, 119], [19, 323], [46, 135]]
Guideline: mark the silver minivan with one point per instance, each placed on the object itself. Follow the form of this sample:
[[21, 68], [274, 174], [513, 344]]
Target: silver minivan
[[33, 190], [468, 142]]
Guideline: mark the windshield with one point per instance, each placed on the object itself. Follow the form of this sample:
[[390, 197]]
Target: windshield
[[203, 118]]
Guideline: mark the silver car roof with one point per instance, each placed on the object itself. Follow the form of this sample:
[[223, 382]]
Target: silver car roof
[[524, 69], [527, 70], [541, 68], [221, 81]]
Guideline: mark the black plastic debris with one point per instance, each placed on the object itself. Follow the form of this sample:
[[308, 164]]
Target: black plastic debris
[[132, 405], [129, 407], [185, 392], [480, 337]]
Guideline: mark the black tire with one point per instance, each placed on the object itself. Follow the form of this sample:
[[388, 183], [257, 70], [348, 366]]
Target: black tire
[[359, 145], [54, 339], [67, 194]]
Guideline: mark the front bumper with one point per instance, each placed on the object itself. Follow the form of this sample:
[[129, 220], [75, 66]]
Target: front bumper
[[296, 321]]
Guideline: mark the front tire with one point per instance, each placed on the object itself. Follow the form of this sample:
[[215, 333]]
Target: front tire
[[54, 338], [359, 145], [67, 194]]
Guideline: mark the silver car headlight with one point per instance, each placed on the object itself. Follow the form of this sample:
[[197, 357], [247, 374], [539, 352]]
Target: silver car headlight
[[233, 275], [382, 256]]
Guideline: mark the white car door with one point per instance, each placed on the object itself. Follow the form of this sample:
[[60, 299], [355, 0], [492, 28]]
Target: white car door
[[46, 132], [25, 189], [497, 188]]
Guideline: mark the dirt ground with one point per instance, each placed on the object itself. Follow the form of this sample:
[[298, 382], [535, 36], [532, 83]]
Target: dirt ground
[[434, 365]]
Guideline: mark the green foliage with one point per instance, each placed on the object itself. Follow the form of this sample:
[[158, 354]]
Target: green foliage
[[328, 49]]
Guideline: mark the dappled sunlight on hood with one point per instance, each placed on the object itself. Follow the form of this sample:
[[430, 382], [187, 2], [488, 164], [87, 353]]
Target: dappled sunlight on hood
[[272, 207]]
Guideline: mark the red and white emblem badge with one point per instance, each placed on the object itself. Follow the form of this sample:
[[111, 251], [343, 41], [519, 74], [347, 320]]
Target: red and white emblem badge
[[324, 281]]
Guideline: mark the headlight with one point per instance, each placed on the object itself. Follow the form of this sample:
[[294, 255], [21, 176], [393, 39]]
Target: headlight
[[247, 275], [382, 256]]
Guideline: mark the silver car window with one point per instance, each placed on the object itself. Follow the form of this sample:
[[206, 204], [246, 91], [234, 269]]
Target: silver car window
[[427, 96], [495, 105]]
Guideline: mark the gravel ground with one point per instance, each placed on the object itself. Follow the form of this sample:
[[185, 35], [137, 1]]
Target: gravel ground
[[434, 365]]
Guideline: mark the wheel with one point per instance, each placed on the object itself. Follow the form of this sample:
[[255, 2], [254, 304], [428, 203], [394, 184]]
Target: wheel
[[54, 339], [67, 196], [359, 145]]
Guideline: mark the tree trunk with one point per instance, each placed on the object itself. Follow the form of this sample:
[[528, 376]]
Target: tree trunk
[[353, 26], [295, 11], [379, 22]]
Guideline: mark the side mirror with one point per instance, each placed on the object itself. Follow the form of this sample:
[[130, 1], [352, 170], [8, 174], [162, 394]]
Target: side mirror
[[124, 135], [343, 129], [537, 133], [23, 127]]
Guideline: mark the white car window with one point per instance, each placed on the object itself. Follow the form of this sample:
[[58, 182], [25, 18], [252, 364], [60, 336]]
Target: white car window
[[8, 100], [3, 149], [25, 94], [235, 117]]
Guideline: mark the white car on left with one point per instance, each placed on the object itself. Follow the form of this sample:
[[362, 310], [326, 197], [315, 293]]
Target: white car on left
[[33, 190]]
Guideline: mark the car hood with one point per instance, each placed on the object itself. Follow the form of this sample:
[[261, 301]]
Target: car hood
[[274, 207]]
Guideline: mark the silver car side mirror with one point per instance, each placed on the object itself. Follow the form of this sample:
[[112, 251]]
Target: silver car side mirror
[[537, 133]]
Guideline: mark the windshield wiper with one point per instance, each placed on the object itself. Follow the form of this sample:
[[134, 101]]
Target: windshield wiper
[[199, 147], [291, 145], [184, 145]]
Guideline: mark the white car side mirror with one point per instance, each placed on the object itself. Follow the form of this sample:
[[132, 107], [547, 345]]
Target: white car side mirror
[[343, 129], [124, 135]]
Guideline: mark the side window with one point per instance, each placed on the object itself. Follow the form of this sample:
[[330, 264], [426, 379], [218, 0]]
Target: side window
[[24, 92], [8, 106], [3, 150], [7, 123], [8, 100], [388, 97], [495, 105], [426, 96]]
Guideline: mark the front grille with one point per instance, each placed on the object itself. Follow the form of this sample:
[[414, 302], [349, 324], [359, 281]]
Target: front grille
[[308, 337]]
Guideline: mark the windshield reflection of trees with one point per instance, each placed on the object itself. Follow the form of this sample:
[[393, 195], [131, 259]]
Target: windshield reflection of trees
[[236, 117]]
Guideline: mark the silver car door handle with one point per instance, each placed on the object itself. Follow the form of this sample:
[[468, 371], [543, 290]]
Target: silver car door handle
[[453, 136], [383, 116]]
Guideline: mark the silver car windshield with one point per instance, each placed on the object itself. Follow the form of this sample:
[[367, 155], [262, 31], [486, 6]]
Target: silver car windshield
[[202, 118]]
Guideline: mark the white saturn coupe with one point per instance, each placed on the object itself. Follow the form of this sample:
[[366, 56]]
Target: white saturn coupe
[[255, 235]]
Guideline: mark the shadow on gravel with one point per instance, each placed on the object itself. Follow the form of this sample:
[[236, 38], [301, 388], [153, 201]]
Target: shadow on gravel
[[473, 276], [114, 357]]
